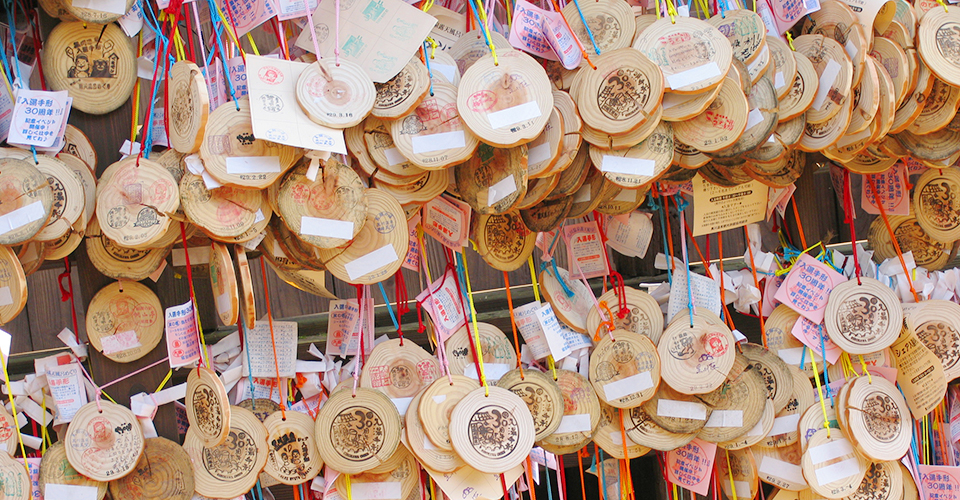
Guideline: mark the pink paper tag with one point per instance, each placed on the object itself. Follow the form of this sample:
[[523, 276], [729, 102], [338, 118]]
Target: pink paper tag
[[807, 287], [939, 482], [247, 15], [892, 192], [585, 250], [216, 89], [238, 75], [788, 12], [691, 465], [808, 332], [770, 287], [561, 41], [526, 33], [914, 166], [448, 221], [444, 306], [122, 341], [837, 179], [183, 346]]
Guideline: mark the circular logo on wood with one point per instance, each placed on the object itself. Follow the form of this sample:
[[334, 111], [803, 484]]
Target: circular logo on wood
[[232, 460], [538, 402], [881, 416], [948, 42], [504, 236], [912, 238], [683, 346], [624, 94], [939, 203], [357, 433], [860, 319], [494, 431], [396, 90], [206, 405], [939, 337], [291, 454]]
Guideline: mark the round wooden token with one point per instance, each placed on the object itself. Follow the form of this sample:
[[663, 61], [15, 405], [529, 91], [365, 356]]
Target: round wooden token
[[292, 456], [816, 459], [234, 466], [538, 190], [820, 136], [785, 64], [623, 201], [119, 262], [503, 241], [821, 51], [813, 418], [248, 303], [781, 341], [573, 177], [223, 279], [104, 441], [399, 369], [910, 490], [31, 256], [337, 95], [443, 68], [610, 22], [189, 106], [601, 139], [687, 157], [883, 481], [545, 150], [261, 408], [229, 135], [547, 215], [13, 285], [436, 405], [781, 173], [357, 430], [69, 198], [870, 161], [625, 369], [124, 321], [420, 191], [56, 469], [777, 377], [610, 434], [491, 429], [785, 431], [396, 460], [506, 103], [693, 55], [27, 193], [54, 9], [737, 405], [308, 206], [383, 151], [938, 109], [384, 232], [472, 46], [745, 31], [862, 318], [755, 435], [682, 107], [95, 16], [135, 198], [866, 100], [307, 280], [572, 123], [936, 211], [937, 44], [572, 310], [695, 360], [642, 314], [88, 181], [95, 64], [581, 413], [927, 252], [935, 322], [497, 353], [404, 475], [878, 418], [622, 92], [14, 479], [595, 189], [721, 125], [426, 452], [738, 470], [208, 407], [494, 180], [542, 396], [675, 412], [641, 164], [76, 143], [432, 136], [163, 472], [893, 58], [645, 432], [780, 467], [761, 120], [400, 94], [223, 213], [912, 105], [802, 92]]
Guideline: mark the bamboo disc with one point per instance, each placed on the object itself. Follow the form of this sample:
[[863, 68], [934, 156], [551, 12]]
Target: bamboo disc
[[542, 396], [335, 197], [721, 125], [603, 140], [26, 189], [572, 310], [494, 180], [337, 95], [545, 150], [610, 22], [118, 262], [785, 64], [397, 96], [822, 51], [820, 136], [76, 143], [229, 134], [780, 467], [208, 407], [547, 215], [643, 314], [936, 324], [260, 407], [737, 405], [223, 279], [894, 60], [69, 198], [786, 431], [573, 177], [383, 151], [95, 64], [688, 157], [570, 118], [939, 45], [399, 369], [134, 201], [745, 31], [13, 286], [384, 235], [223, 213], [357, 430], [581, 413], [756, 434], [444, 69], [128, 316], [878, 419], [803, 91], [103, 441], [189, 106], [622, 93], [437, 402], [645, 432], [248, 303], [472, 46], [503, 241], [927, 252], [625, 370], [404, 476], [424, 449], [505, 104], [777, 378], [610, 435], [163, 472], [491, 429], [622, 201], [56, 469], [234, 466], [693, 55], [432, 136], [739, 472], [538, 190], [641, 164], [675, 412], [815, 462], [292, 456], [498, 354], [695, 360], [863, 318]]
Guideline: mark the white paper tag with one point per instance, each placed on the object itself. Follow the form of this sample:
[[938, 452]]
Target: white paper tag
[[694, 75], [627, 386], [402, 404], [574, 423], [394, 156], [725, 418], [781, 469], [376, 491], [827, 78], [839, 470], [223, 302], [791, 356], [120, 342], [582, 195], [71, 491], [501, 190], [778, 81], [6, 298], [110, 6], [538, 154], [327, 228], [438, 142], [629, 166], [785, 424], [681, 409], [238, 165], [449, 72], [21, 217], [371, 262], [440, 399], [492, 371], [754, 118], [511, 116], [829, 451]]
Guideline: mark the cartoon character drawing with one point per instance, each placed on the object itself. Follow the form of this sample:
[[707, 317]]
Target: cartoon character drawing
[[92, 60]]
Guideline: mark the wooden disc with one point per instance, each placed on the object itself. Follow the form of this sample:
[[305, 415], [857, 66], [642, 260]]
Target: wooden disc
[[76, 143], [507, 103], [28, 196], [927, 252], [939, 108], [56, 469], [396, 483], [229, 146], [610, 435], [95, 64], [93, 15], [13, 286], [208, 407], [623, 201], [260, 407], [936, 324], [601, 139], [780, 467], [777, 377], [437, 404], [812, 420], [820, 136], [594, 189], [690, 64], [834, 69], [547, 215], [15, 480], [88, 181], [163, 472], [538, 190], [802, 92], [838, 482], [292, 456], [55, 9], [781, 341], [432, 136], [124, 321], [625, 370], [383, 151], [645, 432], [910, 490], [761, 120], [937, 212], [883, 481], [503, 241], [877, 417], [542, 396], [641, 164], [544, 151], [863, 318], [893, 58], [69, 198], [682, 107], [420, 191], [472, 46], [357, 430], [785, 64], [223, 279], [134, 201], [444, 69], [491, 429], [399, 369], [721, 125], [739, 470], [675, 412], [233, 467], [497, 353], [572, 124], [912, 105], [785, 430], [104, 441], [572, 310], [424, 449], [695, 360], [573, 177], [337, 95], [310, 208], [610, 22], [938, 42], [400, 94], [225, 212], [755, 435], [737, 405], [581, 413], [378, 249], [494, 180], [248, 303], [396, 460], [189, 106], [622, 92], [745, 31], [643, 314], [119, 262]]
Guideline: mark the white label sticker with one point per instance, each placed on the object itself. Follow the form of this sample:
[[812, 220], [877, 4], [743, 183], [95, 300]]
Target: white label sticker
[[783, 470], [827, 78], [394, 156], [440, 399], [574, 423], [402, 404], [778, 80], [492, 371], [791, 356], [670, 99], [71, 491], [839, 470], [238, 165], [327, 228], [539, 154], [372, 261], [448, 71], [224, 303], [627, 386], [725, 418], [582, 195], [755, 65], [376, 491], [681, 409], [630, 166], [511, 116], [21, 217], [831, 450], [851, 49], [438, 142], [754, 118], [785, 424], [501, 190], [110, 6], [693, 75], [6, 298]]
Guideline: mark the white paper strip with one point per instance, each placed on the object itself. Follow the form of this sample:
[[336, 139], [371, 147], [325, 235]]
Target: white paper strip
[[783, 425], [694, 75], [502, 189], [630, 166], [394, 156], [6, 298], [829, 451], [754, 118], [371, 262], [681, 409], [511, 116], [839, 470], [627, 386], [538, 154], [574, 423], [402, 404], [21, 217], [237, 165], [327, 228], [438, 142], [725, 418], [73, 492], [827, 78], [781, 469], [376, 491], [492, 371], [791, 356]]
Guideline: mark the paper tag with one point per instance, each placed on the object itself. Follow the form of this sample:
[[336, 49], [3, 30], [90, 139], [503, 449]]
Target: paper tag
[[755, 117], [784, 425], [809, 333], [402, 404], [449, 73], [237, 165], [263, 341], [681, 409], [705, 291], [629, 166], [627, 386], [38, 117], [791, 356], [827, 78], [718, 208], [527, 33], [778, 80], [633, 237], [491, 371], [292, 9], [554, 332], [21, 217], [120, 342], [444, 305], [807, 287], [691, 465], [245, 16], [834, 449], [372, 261], [780, 469], [376, 491], [73, 492], [893, 189], [447, 221], [514, 115], [837, 471], [501, 190], [539, 154], [725, 418], [693, 75], [5, 297], [328, 228], [438, 142], [574, 423], [66, 387], [525, 317], [586, 250], [183, 346], [920, 374], [561, 40]]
